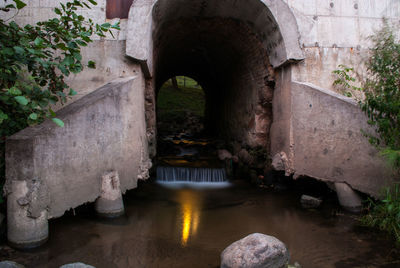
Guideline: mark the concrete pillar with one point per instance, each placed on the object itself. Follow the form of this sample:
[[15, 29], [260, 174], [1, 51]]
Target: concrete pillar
[[348, 198], [27, 224], [110, 204]]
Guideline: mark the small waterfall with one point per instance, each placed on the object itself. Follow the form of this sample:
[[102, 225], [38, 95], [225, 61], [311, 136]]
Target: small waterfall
[[190, 174]]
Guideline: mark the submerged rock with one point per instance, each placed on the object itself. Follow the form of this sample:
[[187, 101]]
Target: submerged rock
[[224, 154], [245, 156], [348, 198], [308, 201], [10, 264], [255, 251], [76, 265]]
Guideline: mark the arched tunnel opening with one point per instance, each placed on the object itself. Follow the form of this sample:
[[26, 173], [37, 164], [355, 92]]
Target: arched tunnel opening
[[228, 55], [228, 59], [180, 107]]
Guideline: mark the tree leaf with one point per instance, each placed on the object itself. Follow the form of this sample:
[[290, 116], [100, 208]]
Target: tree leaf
[[38, 41], [106, 25], [93, 2], [3, 116], [52, 113], [58, 122], [33, 116], [19, 50], [19, 4], [72, 92], [91, 64], [9, 6], [21, 100], [57, 11], [68, 60], [14, 91], [77, 56]]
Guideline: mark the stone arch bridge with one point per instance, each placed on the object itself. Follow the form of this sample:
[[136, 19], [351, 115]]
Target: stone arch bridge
[[265, 66]]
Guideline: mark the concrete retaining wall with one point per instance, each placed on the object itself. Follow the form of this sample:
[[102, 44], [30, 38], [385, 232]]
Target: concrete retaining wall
[[325, 140], [104, 131]]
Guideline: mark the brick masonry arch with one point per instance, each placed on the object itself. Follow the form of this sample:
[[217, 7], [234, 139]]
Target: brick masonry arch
[[272, 20]]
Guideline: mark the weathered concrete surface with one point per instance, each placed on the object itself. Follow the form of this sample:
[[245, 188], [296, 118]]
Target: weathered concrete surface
[[336, 32], [326, 141], [270, 19], [111, 64], [103, 131], [348, 198], [281, 129], [27, 202], [110, 203]]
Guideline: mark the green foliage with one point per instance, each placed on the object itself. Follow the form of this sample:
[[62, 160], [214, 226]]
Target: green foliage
[[382, 89], [382, 106], [345, 80], [382, 92], [34, 62], [173, 103], [35, 59], [385, 214], [184, 81]]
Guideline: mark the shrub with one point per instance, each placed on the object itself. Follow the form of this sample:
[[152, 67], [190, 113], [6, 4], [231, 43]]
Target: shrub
[[381, 104], [381, 89], [385, 214], [34, 61]]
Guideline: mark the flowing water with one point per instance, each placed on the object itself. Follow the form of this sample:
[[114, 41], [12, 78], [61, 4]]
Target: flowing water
[[190, 174], [185, 226]]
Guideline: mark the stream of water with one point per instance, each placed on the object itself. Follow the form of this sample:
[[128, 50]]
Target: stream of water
[[182, 226]]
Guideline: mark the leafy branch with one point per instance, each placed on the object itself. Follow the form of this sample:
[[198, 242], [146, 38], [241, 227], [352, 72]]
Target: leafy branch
[[36, 59]]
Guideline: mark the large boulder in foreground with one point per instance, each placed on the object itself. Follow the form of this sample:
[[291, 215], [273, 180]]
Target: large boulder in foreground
[[255, 251], [77, 265], [10, 264]]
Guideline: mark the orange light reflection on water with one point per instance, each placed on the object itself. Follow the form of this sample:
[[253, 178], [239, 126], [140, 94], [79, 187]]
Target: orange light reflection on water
[[190, 210], [190, 142]]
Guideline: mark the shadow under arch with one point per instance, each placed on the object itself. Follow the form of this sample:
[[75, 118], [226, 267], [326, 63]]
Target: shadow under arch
[[231, 47], [180, 107], [272, 20]]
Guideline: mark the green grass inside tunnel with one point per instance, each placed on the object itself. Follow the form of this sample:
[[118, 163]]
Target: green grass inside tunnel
[[174, 104]]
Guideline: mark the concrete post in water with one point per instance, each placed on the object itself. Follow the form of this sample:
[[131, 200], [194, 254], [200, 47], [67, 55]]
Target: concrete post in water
[[348, 198], [27, 224], [110, 203]]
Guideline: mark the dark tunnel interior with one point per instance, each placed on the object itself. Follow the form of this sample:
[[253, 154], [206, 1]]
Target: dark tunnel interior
[[226, 56]]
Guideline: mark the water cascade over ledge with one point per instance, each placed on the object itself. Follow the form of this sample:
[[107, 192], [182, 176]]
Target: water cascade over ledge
[[190, 174]]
